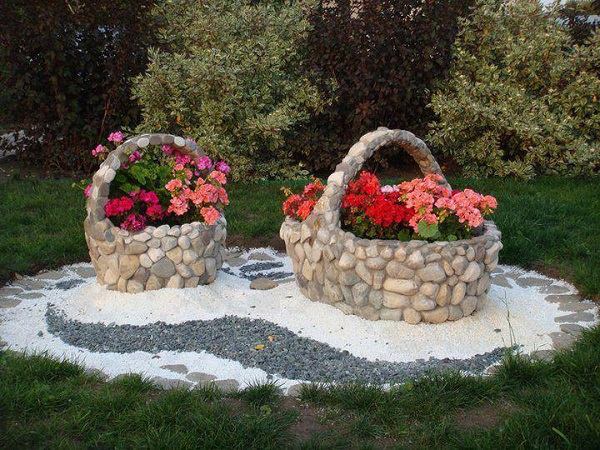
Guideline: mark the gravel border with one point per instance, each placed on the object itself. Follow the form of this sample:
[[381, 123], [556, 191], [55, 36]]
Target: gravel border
[[288, 355]]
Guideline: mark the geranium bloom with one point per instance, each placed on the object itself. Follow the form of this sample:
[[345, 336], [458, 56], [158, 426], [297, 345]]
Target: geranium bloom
[[148, 197], [167, 149], [218, 176], [173, 185], [222, 166], [116, 137], [178, 205], [210, 214], [134, 222], [98, 150], [135, 156], [155, 212], [204, 163], [118, 206], [209, 193], [88, 190]]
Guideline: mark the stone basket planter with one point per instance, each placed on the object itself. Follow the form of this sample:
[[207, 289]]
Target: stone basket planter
[[156, 257], [376, 279]]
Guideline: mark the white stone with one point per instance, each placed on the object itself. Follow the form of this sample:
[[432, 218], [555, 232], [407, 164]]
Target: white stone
[[347, 261], [155, 254], [415, 260], [161, 231], [184, 242]]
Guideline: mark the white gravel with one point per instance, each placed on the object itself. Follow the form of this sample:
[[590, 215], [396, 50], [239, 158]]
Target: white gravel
[[521, 314]]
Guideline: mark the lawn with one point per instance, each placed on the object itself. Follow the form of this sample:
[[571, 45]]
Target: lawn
[[550, 224]]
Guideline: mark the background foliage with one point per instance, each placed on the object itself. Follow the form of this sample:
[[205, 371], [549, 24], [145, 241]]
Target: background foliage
[[522, 98], [228, 74], [384, 56], [66, 69]]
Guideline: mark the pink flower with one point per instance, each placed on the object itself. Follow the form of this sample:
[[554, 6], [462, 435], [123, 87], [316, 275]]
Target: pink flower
[[488, 202], [149, 197], [135, 156], [134, 222], [209, 193], [88, 190], [167, 149], [155, 212], [210, 214], [116, 137], [118, 206], [179, 166], [387, 189], [204, 162], [222, 166], [223, 197], [218, 176], [99, 150], [179, 206], [173, 185]]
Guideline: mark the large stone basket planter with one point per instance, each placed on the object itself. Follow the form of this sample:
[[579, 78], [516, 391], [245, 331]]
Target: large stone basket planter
[[386, 279], [165, 256]]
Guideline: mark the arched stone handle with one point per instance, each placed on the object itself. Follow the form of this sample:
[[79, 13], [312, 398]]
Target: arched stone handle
[[326, 210], [107, 171]]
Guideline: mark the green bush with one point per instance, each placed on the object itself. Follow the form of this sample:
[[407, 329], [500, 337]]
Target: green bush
[[228, 73], [522, 98]]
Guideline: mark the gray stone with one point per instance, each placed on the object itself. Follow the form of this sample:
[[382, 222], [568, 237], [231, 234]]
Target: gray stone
[[563, 298], [30, 295], [169, 383], [52, 275], [576, 306], [156, 254], [200, 377], [184, 242], [390, 314], [576, 317], [360, 292], [227, 386], [394, 300], [561, 341], [9, 303], [161, 231], [295, 390], [135, 248], [397, 270], [542, 355], [454, 312], [163, 268], [415, 260], [468, 305], [421, 303], [472, 272], [533, 281], [459, 264], [376, 298], [432, 272], [571, 328], [175, 282], [260, 256], [134, 287], [263, 284], [177, 368], [501, 280], [168, 242], [554, 289]]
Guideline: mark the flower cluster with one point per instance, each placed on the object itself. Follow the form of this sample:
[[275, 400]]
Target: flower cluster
[[163, 184], [418, 209], [299, 206]]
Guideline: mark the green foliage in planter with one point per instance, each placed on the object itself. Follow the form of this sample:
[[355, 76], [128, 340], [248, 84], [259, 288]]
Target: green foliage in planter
[[522, 98], [227, 73]]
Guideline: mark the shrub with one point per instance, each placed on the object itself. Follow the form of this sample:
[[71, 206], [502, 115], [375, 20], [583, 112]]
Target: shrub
[[65, 67], [522, 98], [227, 73], [384, 56]]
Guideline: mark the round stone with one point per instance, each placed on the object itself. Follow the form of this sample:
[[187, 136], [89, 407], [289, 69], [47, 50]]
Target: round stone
[[406, 287], [472, 272], [411, 316], [432, 272], [458, 293], [163, 268], [393, 300]]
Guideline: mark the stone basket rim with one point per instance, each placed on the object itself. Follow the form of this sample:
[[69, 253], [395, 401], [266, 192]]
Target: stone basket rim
[[490, 230], [149, 229]]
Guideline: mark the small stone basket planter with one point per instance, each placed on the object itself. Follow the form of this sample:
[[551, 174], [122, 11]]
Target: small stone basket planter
[[166, 256], [376, 279]]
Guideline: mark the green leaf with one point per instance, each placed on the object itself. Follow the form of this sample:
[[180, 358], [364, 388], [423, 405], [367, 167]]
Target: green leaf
[[428, 231]]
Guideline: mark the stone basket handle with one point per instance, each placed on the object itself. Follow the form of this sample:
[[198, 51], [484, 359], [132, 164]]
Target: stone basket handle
[[327, 209], [107, 171]]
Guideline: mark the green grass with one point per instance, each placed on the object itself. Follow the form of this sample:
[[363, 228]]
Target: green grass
[[55, 404], [549, 224]]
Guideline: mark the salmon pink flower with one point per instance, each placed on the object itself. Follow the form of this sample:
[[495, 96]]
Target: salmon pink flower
[[210, 214], [218, 176], [173, 185], [178, 205]]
